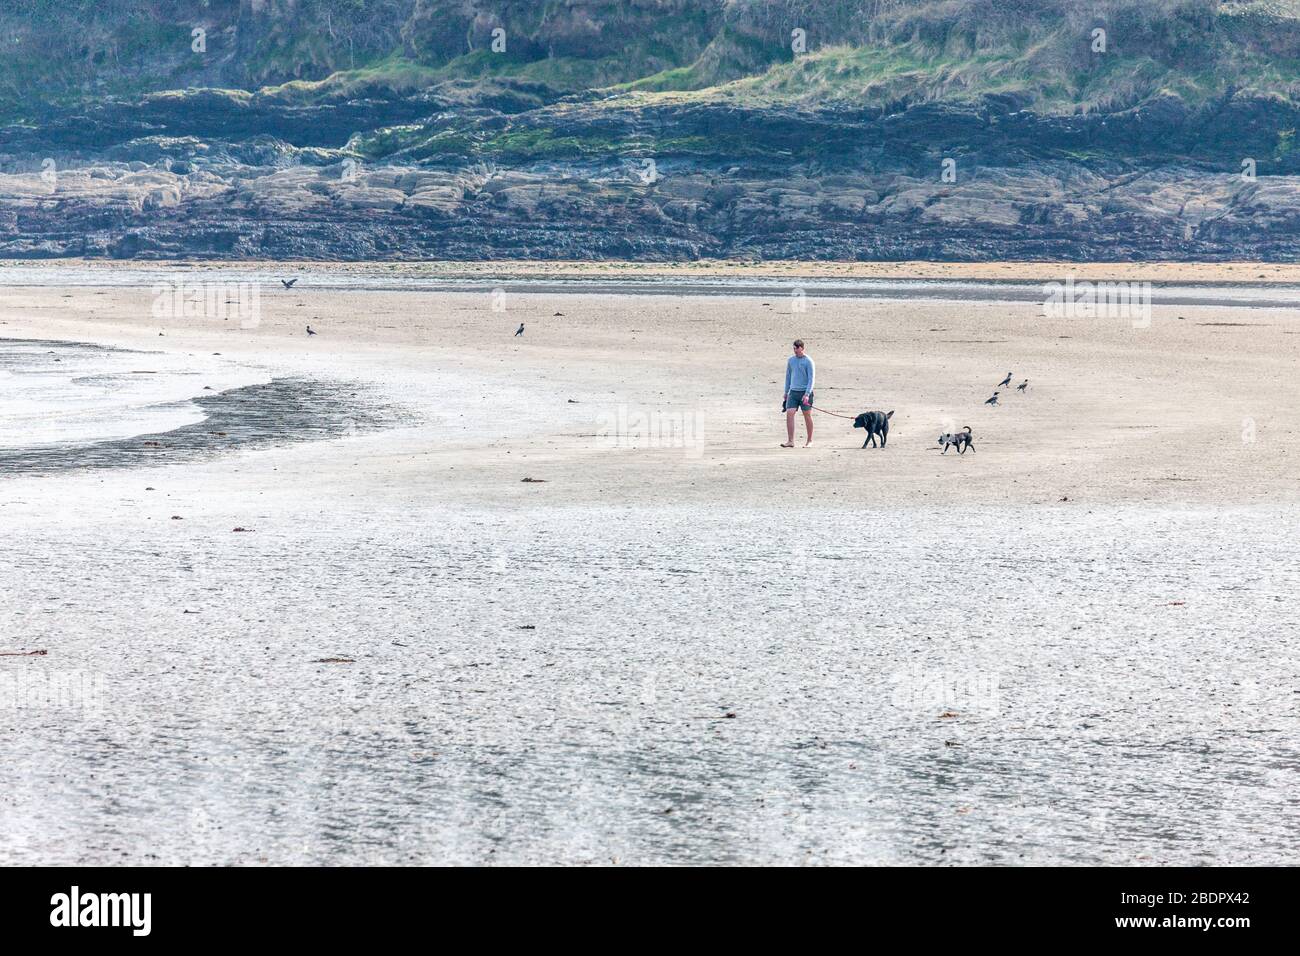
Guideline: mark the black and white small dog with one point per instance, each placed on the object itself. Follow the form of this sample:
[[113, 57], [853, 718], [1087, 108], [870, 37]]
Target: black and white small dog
[[961, 440], [876, 423]]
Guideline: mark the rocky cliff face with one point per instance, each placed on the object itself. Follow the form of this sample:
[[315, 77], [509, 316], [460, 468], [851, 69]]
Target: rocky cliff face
[[526, 160]]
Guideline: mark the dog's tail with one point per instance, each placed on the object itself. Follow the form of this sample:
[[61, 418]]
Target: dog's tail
[[967, 429], [889, 416]]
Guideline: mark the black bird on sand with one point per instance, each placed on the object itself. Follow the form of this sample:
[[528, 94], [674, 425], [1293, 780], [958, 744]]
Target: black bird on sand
[[1022, 386], [1005, 382], [310, 330], [993, 400], [519, 331], [288, 283], [558, 315]]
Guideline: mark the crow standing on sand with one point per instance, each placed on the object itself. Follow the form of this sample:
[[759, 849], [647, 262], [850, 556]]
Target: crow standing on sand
[[288, 284], [310, 331], [1005, 382], [519, 331], [1022, 386], [993, 400]]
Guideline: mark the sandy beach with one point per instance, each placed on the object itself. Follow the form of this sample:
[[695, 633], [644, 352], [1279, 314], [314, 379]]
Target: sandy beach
[[666, 399], [678, 642]]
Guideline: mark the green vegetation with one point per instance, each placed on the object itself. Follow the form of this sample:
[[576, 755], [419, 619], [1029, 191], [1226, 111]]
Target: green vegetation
[[531, 142], [866, 53], [1039, 50], [393, 73], [1285, 144]]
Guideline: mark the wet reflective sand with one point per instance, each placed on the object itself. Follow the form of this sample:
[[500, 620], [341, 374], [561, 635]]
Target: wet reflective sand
[[554, 685]]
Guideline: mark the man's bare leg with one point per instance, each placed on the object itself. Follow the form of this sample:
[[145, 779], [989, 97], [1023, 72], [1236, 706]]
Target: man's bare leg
[[807, 418], [789, 429]]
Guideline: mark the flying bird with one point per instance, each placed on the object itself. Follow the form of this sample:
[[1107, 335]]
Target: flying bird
[[1022, 386], [519, 331], [993, 400], [558, 315], [310, 330], [1005, 382], [288, 283]]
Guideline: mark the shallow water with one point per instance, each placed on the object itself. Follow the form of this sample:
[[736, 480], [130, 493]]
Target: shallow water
[[553, 685], [61, 393], [167, 281], [66, 406]]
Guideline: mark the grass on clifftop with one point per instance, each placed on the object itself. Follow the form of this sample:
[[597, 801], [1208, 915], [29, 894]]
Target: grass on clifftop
[[861, 53], [397, 74], [1050, 65]]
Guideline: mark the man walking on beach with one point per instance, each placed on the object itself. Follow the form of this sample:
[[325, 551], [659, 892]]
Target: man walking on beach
[[799, 376]]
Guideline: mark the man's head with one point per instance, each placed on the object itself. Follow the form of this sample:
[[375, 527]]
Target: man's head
[[798, 346]]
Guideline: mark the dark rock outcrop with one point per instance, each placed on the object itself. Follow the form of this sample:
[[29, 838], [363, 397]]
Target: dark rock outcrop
[[219, 176]]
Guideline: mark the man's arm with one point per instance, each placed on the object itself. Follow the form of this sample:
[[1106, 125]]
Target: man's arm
[[788, 370], [812, 378]]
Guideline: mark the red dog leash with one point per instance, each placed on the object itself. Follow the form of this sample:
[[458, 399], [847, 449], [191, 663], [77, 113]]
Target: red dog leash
[[824, 412]]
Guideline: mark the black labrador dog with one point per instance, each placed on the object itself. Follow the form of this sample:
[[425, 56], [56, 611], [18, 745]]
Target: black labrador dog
[[876, 423]]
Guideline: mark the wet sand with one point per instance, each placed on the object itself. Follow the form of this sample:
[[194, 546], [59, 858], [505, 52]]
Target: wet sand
[[648, 685], [68, 408], [928, 658]]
